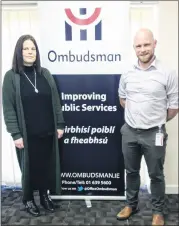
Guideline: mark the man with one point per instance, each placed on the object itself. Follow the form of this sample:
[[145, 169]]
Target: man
[[149, 93]]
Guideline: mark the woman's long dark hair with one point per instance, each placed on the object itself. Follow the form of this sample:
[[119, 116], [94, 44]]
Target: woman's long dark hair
[[17, 64]]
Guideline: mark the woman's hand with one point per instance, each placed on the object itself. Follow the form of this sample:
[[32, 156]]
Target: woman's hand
[[19, 143], [60, 133]]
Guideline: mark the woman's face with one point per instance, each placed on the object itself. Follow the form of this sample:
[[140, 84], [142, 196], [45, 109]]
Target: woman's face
[[29, 53]]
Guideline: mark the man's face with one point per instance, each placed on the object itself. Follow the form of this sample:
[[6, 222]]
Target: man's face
[[144, 46]]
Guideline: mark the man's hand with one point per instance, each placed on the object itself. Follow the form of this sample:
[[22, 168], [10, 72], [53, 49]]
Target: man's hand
[[60, 133], [171, 113], [19, 143], [122, 102]]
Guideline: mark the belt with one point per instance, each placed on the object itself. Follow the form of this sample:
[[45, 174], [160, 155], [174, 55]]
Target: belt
[[152, 128]]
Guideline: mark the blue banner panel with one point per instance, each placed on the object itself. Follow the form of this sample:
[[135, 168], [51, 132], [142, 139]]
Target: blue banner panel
[[91, 155]]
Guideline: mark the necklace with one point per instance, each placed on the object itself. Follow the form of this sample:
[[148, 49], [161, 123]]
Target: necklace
[[34, 85]]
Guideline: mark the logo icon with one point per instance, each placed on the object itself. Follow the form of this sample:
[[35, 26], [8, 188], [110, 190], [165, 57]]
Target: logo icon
[[81, 22], [80, 188]]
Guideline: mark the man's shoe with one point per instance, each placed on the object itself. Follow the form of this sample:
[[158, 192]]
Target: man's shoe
[[46, 202], [157, 220], [125, 213], [32, 208]]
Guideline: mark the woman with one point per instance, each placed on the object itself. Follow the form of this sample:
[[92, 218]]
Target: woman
[[33, 117]]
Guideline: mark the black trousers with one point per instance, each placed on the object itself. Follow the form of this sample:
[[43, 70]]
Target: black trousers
[[40, 152], [135, 143]]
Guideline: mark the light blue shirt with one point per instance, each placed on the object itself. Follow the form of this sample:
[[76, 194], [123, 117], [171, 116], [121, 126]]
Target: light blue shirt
[[148, 93]]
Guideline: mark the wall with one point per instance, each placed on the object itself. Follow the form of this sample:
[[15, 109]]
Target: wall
[[168, 53]]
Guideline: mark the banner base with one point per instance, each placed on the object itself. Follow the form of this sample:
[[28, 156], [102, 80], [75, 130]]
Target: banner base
[[75, 197], [88, 203]]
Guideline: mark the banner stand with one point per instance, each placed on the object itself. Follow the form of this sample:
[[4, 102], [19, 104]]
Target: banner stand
[[88, 199], [84, 197], [86, 51]]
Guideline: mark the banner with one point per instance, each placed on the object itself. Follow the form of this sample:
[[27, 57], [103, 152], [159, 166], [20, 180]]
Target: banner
[[85, 45], [91, 157]]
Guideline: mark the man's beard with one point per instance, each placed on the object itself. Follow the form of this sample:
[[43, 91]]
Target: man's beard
[[145, 59]]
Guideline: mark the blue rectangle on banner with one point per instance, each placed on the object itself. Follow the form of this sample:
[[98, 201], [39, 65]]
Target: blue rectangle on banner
[[91, 153]]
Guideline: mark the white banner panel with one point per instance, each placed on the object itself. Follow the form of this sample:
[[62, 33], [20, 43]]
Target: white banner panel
[[90, 37]]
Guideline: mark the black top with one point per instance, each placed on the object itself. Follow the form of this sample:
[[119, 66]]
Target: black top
[[38, 111]]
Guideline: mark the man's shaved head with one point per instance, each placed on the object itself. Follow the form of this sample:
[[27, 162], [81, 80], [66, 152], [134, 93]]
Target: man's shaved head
[[143, 32], [144, 45]]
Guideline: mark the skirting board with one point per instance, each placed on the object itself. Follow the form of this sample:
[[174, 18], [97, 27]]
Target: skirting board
[[169, 189]]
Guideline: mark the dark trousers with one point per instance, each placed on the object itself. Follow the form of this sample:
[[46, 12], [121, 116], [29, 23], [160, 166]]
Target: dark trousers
[[138, 142], [40, 152]]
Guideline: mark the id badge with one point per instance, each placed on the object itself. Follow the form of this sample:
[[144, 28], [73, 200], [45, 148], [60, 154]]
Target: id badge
[[159, 139]]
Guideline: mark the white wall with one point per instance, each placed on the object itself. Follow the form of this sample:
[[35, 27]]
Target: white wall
[[168, 53], [16, 21]]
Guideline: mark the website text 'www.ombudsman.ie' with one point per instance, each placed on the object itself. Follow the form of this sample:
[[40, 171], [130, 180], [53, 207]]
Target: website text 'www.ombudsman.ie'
[[83, 57], [90, 175]]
